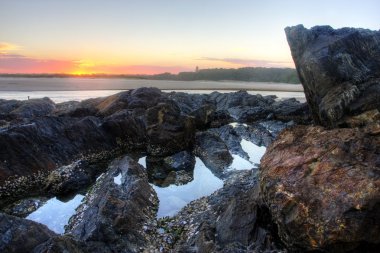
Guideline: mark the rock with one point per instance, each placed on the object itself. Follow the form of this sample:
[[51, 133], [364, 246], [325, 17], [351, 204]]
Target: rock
[[76, 109], [117, 210], [20, 235], [292, 110], [231, 138], [137, 100], [176, 169], [28, 109], [339, 70], [70, 178], [225, 101], [323, 188], [24, 207], [248, 114], [233, 134], [220, 118], [168, 132], [213, 152], [48, 142], [229, 220], [127, 128], [65, 244], [188, 102], [275, 126], [203, 116]]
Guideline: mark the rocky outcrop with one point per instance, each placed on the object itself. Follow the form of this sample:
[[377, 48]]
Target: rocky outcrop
[[168, 131], [230, 220], [20, 235], [175, 169], [117, 210], [27, 109], [291, 110], [323, 188], [213, 152], [48, 142], [339, 70]]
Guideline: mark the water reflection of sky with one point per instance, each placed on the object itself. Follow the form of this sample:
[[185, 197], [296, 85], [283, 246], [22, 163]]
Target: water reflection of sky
[[55, 214], [173, 197]]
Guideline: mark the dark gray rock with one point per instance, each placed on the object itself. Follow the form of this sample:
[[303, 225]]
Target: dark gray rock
[[117, 210], [31, 108], [292, 110], [230, 220], [66, 244], [220, 118], [168, 131], [213, 152], [203, 116], [49, 142], [176, 169], [248, 114], [189, 102], [20, 235], [339, 70], [127, 128], [24, 207], [225, 101], [137, 100]]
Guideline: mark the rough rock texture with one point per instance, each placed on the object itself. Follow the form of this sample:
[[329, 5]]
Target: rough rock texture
[[323, 188], [64, 244], [164, 171], [20, 235], [291, 110], [168, 131], [213, 152], [339, 70], [117, 209], [26, 109], [48, 142], [229, 220]]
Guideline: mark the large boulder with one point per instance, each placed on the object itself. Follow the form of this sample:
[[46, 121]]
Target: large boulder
[[339, 70], [138, 100], [26, 109], [213, 151], [117, 211], [168, 131], [323, 188], [20, 235], [177, 169], [230, 220], [49, 142]]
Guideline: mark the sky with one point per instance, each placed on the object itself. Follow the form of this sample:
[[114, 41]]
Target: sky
[[156, 36]]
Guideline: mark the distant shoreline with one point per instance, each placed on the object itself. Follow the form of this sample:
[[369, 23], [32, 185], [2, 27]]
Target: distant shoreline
[[82, 84]]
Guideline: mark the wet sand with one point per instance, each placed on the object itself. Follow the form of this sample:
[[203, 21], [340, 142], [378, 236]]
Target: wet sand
[[72, 84]]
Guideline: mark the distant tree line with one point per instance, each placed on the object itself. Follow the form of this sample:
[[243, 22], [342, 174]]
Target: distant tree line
[[248, 74]]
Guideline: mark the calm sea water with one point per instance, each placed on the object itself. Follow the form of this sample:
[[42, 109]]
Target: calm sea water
[[77, 89]]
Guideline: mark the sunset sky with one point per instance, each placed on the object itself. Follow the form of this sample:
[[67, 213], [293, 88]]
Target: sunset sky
[[155, 36]]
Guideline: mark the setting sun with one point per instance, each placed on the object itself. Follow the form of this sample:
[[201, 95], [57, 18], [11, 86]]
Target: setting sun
[[81, 73]]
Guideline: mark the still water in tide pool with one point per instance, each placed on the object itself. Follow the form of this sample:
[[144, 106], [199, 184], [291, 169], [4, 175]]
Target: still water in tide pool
[[174, 197], [55, 214]]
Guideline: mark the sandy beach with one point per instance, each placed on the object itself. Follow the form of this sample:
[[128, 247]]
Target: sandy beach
[[71, 84]]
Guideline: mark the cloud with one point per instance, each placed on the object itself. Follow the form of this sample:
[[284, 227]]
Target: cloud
[[138, 69], [6, 47], [249, 62], [14, 63]]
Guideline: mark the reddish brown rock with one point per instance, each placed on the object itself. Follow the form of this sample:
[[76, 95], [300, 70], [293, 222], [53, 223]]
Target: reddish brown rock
[[323, 188]]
